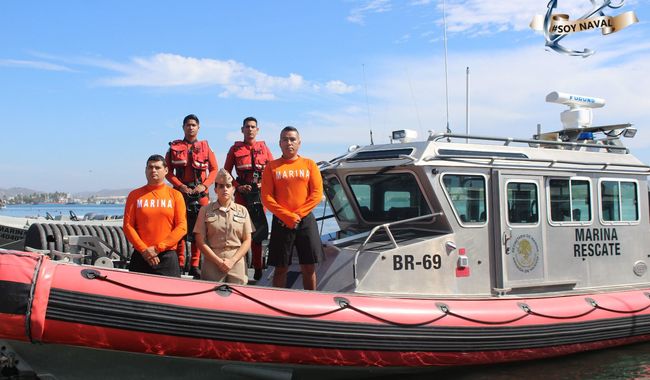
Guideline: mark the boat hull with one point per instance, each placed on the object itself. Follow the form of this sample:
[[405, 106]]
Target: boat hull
[[49, 302]]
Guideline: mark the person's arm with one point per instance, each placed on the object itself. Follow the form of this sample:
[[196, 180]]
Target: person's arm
[[229, 165], [200, 233], [180, 224], [269, 200], [268, 153], [177, 183], [213, 167], [315, 195], [208, 253], [128, 224], [245, 239]]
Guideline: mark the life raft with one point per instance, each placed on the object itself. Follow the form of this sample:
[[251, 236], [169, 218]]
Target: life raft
[[45, 301]]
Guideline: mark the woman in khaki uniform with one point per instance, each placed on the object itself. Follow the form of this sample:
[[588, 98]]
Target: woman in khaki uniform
[[223, 234]]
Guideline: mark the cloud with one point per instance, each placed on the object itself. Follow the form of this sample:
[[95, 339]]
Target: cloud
[[235, 78], [338, 87], [39, 65], [358, 15], [171, 70], [508, 89]]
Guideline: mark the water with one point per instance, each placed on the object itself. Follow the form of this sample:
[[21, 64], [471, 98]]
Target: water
[[54, 209], [41, 210], [628, 362]]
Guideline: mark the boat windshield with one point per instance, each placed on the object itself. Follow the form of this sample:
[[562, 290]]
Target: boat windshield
[[341, 205], [388, 197]]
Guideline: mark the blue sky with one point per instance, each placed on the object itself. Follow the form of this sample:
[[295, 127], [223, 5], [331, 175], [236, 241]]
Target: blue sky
[[90, 89]]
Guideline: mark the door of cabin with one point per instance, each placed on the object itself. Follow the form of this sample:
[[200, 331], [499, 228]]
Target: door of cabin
[[521, 230]]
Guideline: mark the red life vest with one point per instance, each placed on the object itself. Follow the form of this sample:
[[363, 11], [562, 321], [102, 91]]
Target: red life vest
[[180, 154], [244, 156]]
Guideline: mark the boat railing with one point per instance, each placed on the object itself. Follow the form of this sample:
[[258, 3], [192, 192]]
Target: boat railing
[[385, 227], [531, 142], [551, 162]]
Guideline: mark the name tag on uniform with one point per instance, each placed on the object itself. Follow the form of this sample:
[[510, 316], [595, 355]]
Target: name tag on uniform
[[239, 218]]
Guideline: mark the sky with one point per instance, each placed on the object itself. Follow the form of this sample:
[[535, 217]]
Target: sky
[[90, 89]]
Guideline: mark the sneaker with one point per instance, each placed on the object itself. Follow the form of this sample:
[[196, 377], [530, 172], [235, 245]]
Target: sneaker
[[258, 274]]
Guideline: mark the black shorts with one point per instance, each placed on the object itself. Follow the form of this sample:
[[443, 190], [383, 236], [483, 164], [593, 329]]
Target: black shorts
[[168, 265], [304, 238]]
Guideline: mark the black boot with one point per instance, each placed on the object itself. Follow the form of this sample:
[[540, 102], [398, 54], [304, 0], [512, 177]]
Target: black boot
[[258, 274], [195, 272]]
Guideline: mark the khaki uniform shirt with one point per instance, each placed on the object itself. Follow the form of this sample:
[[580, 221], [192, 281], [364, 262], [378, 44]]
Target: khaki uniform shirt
[[224, 228]]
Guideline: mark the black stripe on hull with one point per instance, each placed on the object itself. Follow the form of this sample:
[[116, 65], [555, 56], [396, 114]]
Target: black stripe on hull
[[173, 320], [15, 297]]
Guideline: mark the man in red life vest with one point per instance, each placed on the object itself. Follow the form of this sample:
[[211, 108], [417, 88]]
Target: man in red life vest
[[249, 157], [193, 169]]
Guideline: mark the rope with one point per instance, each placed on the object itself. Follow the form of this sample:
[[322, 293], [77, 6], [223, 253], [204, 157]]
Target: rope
[[92, 274], [378, 318], [489, 322], [282, 311], [344, 304]]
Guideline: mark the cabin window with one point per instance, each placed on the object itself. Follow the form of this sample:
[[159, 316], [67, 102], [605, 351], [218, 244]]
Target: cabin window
[[522, 203], [341, 206], [467, 196], [619, 201], [388, 197], [570, 200]]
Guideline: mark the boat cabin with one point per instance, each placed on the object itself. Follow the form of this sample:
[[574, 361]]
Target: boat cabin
[[562, 212]]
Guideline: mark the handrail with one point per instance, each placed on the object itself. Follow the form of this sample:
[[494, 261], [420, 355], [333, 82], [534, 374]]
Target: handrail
[[551, 162], [509, 140], [324, 165], [385, 226]]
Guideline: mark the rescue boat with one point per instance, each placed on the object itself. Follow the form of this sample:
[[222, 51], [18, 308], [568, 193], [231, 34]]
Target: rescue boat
[[449, 254]]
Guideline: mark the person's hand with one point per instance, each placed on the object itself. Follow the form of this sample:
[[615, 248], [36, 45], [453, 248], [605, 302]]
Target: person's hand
[[244, 188], [154, 261], [185, 190], [226, 265], [200, 189], [296, 221], [151, 256]]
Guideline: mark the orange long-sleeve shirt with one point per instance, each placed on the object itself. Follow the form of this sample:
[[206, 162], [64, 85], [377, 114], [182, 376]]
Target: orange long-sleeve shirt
[[291, 188], [154, 216]]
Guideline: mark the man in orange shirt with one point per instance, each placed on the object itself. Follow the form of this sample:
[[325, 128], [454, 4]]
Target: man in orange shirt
[[193, 169], [291, 188], [154, 222]]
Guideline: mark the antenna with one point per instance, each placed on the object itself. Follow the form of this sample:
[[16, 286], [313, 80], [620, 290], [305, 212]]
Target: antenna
[[417, 111], [467, 105], [365, 86], [444, 18]]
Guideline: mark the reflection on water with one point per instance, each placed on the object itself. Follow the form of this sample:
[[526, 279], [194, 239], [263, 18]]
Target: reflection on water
[[627, 362], [72, 363]]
